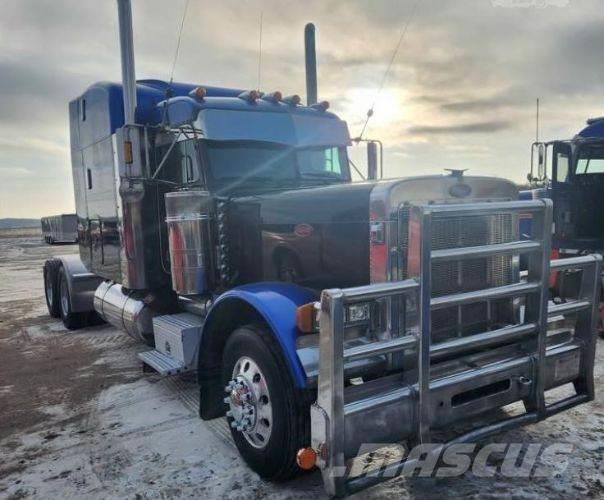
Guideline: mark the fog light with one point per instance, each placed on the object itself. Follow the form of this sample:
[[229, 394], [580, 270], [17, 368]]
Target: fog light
[[358, 312]]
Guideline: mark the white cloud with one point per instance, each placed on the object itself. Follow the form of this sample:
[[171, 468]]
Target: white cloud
[[461, 92]]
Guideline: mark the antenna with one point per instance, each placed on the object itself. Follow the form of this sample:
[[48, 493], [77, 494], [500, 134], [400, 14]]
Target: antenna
[[396, 49], [537, 122], [182, 23], [260, 52]]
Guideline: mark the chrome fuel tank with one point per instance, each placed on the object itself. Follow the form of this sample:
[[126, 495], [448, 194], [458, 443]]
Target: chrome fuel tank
[[188, 215], [122, 309]]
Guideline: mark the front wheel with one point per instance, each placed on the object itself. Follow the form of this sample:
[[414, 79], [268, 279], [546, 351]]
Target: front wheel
[[268, 417]]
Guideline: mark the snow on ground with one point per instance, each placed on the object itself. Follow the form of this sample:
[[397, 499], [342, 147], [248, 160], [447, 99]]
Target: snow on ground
[[79, 419]]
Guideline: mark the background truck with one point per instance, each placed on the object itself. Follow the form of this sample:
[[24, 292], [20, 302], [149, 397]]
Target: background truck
[[571, 173], [221, 227], [60, 228]]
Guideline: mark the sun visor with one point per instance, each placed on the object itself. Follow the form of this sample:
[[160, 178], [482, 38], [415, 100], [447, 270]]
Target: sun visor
[[282, 128]]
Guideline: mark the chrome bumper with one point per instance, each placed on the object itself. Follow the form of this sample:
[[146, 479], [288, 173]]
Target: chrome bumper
[[458, 379]]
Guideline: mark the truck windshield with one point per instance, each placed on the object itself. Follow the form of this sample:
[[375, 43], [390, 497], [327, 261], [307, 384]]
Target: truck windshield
[[237, 165], [590, 161]]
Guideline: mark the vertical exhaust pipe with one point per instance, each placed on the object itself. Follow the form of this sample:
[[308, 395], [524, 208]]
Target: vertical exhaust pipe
[[310, 55], [127, 54]]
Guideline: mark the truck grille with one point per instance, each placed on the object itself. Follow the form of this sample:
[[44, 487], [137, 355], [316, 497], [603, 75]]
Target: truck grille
[[467, 275]]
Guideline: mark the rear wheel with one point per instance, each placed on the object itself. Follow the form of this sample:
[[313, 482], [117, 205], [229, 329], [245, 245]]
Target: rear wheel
[[51, 289], [268, 417], [71, 320]]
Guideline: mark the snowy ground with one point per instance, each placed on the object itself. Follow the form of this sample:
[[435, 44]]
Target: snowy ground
[[79, 419]]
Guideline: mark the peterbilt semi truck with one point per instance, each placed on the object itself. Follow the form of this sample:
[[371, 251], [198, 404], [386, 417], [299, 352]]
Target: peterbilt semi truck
[[221, 226]]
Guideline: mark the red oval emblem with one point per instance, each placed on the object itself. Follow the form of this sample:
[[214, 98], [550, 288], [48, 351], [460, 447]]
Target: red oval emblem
[[303, 230]]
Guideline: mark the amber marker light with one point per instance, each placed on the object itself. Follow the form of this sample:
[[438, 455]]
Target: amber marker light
[[306, 318], [306, 458], [128, 156], [292, 100]]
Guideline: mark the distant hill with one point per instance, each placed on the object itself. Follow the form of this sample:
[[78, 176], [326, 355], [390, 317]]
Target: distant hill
[[11, 223]]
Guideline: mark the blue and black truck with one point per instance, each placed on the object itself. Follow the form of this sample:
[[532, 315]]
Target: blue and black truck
[[221, 226], [571, 174]]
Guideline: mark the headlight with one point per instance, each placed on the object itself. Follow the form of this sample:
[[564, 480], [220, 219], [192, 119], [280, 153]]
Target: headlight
[[356, 313]]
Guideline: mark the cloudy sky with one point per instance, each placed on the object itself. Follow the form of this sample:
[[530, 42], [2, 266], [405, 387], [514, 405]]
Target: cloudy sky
[[461, 93]]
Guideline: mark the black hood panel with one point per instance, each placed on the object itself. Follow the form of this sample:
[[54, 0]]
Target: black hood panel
[[317, 237]]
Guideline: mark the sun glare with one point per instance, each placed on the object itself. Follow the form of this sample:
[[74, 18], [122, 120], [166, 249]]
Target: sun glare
[[388, 107]]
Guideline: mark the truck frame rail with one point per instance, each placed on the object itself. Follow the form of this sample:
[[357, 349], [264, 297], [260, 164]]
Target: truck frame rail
[[431, 391]]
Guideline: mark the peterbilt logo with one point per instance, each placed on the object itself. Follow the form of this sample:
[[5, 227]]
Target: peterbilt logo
[[303, 230], [460, 190]]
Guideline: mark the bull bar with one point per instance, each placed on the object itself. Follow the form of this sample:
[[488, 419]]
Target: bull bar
[[407, 405]]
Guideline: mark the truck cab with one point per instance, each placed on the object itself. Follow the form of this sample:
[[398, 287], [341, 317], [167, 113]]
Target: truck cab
[[575, 183], [222, 227]]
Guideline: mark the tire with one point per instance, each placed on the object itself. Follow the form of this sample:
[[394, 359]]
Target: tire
[[51, 287], [71, 320], [274, 458]]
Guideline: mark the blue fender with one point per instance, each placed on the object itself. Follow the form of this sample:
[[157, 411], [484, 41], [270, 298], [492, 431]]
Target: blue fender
[[276, 303]]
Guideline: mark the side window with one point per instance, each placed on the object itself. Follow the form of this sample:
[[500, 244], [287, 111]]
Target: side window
[[181, 166], [561, 167], [188, 163]]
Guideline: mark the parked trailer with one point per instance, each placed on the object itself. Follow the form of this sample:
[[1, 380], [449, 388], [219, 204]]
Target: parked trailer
[[60, 228], [319, 314]]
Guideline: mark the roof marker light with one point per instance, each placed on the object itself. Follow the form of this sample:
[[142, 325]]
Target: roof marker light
[[198, 93], [275, 96], [292, 100], [250, 95], [321, 106]]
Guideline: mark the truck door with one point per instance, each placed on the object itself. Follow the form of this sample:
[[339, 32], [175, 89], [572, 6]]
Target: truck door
[[562, 191]]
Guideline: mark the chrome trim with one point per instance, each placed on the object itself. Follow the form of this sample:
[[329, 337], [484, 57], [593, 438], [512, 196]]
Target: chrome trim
[[444, 383]]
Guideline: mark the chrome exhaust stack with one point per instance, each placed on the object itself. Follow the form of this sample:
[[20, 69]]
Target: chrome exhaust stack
[[124, 10], [310, 56]]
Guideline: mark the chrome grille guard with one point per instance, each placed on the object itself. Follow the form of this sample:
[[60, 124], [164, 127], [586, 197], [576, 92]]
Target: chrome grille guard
[[405, 405]]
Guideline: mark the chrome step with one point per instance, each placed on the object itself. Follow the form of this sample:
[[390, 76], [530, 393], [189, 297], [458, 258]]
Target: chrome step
[[162, 364]]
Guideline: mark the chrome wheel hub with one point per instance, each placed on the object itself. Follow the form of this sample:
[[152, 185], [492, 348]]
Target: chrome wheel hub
[[250, 410]]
